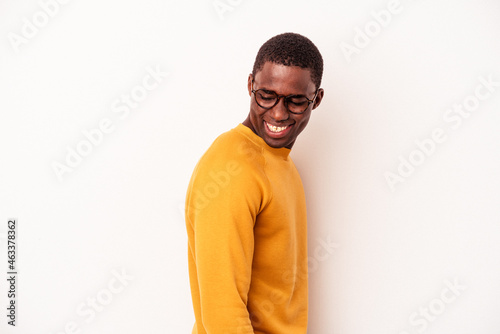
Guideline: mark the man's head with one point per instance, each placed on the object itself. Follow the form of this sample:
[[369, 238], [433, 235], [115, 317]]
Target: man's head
[[291, 66]]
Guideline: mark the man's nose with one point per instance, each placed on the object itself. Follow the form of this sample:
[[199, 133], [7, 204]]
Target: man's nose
[[279, 112]]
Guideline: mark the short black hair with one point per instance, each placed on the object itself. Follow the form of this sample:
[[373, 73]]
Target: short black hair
[[291, 49]]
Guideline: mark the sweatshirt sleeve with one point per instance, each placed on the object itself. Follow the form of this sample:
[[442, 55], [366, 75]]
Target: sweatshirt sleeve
[[223, 201]]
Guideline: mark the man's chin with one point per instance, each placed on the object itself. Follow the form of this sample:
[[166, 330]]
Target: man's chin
[[275, 143]]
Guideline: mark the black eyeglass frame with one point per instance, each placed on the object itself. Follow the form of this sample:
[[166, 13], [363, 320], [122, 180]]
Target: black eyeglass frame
[[286, 98]]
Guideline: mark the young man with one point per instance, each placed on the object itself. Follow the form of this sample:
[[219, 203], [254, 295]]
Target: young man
[[245, 204]]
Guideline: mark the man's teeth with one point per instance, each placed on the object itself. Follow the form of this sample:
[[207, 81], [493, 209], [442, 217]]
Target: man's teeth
[[276, 128]]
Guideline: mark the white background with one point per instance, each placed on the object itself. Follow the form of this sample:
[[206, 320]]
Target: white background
[[121, 207]]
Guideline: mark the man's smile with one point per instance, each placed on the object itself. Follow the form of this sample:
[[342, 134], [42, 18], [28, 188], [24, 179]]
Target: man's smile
[[277, 131]]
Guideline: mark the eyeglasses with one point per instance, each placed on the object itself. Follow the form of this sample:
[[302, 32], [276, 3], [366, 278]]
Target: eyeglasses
[[296, 104]]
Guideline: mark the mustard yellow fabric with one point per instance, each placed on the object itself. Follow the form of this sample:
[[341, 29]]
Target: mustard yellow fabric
[[247, 239]]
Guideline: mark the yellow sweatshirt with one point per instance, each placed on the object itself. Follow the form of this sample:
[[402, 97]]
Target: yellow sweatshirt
[[247, 239]]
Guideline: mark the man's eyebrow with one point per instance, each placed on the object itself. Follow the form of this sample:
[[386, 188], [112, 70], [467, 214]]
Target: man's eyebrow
[[268, 90], [272, 91]]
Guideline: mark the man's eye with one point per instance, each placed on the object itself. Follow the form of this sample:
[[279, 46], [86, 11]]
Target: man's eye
[[298, 101], [298, 105], [267, 97]]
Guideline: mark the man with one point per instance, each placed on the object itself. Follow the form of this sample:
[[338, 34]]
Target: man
[[245, 204]]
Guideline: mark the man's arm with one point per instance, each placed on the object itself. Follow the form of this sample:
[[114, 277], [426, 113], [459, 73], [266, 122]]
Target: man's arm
[[222, 207]]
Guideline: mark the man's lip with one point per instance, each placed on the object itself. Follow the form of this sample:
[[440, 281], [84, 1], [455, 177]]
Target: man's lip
[[277, 135]]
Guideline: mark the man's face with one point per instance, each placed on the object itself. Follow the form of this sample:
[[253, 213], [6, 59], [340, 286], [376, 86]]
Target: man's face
[[284, 80]]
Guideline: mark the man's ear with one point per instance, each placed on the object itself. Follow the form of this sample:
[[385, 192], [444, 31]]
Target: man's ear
[[319, 98], [250, 79]]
